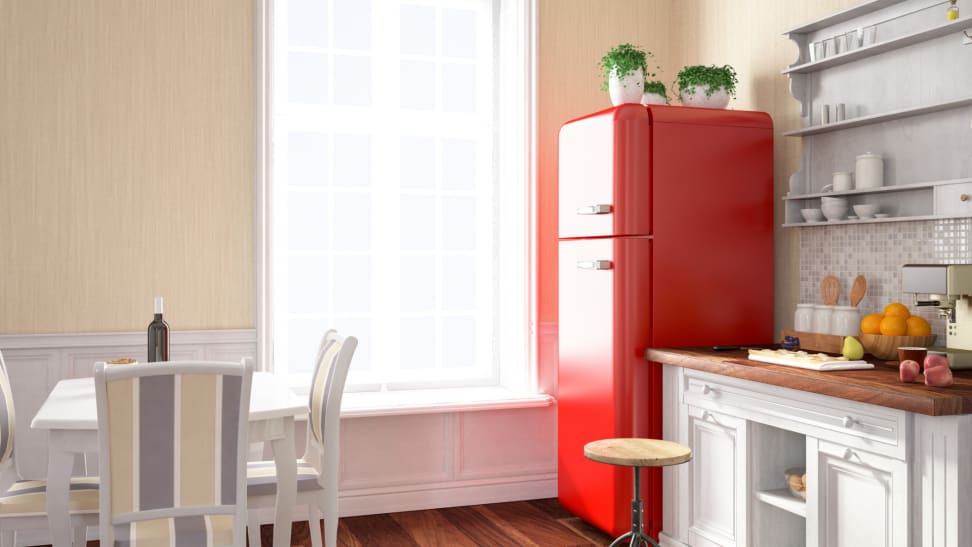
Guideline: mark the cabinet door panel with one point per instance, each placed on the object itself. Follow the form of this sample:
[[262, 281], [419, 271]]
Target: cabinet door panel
[[718, 477], [862, 497]]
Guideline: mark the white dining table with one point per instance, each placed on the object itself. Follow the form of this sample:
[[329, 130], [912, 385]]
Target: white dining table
[[70, 416]]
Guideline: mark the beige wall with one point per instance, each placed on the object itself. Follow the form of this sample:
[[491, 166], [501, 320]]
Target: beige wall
[[127, 147], [126, 164]]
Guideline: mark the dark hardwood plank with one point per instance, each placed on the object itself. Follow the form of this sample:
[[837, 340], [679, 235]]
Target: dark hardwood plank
[[551, 508], [430, 528], [378, 530], [484, 528], [534, 524]]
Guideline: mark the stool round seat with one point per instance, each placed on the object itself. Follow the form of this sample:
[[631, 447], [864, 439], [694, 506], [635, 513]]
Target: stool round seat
[[637, 452]]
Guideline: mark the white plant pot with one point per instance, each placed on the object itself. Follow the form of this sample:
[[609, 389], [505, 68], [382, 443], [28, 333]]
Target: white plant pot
[[628, 89], [718, 99], [653, 98]]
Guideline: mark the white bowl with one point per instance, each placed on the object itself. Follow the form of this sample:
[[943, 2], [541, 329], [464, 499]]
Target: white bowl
[[824, 200], [812, 215], [865, 210], [834, 210]]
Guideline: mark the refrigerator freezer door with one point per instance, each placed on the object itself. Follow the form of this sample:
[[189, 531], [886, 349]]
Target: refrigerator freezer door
[[604, 169], [604, 314]]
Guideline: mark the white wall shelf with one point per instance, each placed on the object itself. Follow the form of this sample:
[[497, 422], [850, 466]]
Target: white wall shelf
[[878, 118], [955, 26], [785, 500], [915, 89]]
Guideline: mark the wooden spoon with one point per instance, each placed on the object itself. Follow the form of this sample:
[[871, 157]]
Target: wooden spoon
[[830, 290], [858, 290]]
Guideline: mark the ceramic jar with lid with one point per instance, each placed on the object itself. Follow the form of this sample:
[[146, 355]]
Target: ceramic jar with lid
[[803, 318], [869, 171], [845, 321], [822, 315]]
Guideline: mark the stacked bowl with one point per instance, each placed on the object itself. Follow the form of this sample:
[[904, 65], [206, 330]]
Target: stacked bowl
[[833, 208]]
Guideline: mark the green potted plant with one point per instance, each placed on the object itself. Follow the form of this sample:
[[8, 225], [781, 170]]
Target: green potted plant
[[624, 69], [655, 93], [707, 86]]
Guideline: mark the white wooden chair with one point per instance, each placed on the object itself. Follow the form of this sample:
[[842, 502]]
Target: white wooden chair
[[317, 471], [23, 503], [172, 438]]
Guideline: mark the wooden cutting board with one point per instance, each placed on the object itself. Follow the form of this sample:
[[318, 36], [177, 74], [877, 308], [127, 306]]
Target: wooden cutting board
[[815, 341]]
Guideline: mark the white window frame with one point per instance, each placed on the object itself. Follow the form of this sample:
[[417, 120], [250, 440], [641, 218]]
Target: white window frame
[[517, 45]]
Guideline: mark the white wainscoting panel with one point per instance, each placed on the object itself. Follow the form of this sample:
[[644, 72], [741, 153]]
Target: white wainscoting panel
[[506, 442], [389, 463], [395, 450]]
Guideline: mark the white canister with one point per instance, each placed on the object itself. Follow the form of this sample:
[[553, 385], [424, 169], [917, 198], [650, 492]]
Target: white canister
[[803, 318], [842, 181], [869, 171], [822, 315], [845, 321]]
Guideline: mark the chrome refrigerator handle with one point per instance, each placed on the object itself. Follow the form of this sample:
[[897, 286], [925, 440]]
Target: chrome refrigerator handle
[[601, 209], [594, 264]]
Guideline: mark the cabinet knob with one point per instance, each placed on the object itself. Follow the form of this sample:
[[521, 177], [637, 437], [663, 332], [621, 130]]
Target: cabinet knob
[[848, 421], [964, 197], [848, 454], [706, 389]]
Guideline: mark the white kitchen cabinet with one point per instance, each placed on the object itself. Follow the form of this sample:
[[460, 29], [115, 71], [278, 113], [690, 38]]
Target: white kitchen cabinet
[[718, 473], [744, 435], [906, 96], [861, 499]]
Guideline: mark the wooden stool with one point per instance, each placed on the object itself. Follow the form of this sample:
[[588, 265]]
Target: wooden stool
[[637, 453]]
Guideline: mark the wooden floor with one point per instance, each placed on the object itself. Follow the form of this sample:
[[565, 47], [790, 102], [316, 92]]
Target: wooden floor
[[541, 523], [535, 523]]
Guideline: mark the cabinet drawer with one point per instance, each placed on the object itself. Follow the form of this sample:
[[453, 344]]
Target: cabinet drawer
[[877, 429], [954, 199]]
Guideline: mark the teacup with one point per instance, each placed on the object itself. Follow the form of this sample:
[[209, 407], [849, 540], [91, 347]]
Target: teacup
[[842, 181], [912, 353]]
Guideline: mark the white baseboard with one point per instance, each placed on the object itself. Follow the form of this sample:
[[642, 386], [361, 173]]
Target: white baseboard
[[419, 499], [453, 495]]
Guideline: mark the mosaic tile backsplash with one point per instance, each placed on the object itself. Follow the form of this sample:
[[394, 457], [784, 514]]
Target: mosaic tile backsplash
[[877, 251]]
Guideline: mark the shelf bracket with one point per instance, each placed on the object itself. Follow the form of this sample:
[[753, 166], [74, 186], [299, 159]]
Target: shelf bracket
[[967, 38]]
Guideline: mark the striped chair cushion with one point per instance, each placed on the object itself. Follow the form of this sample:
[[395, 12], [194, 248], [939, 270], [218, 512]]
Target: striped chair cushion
[[197, 531], [183, 428], [261, 478], [28, 498]]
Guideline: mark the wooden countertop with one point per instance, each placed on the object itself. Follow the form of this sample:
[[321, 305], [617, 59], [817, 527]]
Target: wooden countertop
[[877, 386]]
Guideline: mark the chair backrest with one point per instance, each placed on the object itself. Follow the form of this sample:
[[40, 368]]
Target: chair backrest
[[327, 389], [7, 417], [173, 440]]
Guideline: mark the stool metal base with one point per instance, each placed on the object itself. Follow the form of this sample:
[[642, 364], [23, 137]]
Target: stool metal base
[[636, 536], [636, 540]]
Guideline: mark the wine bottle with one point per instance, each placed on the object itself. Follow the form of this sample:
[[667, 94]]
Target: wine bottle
[[158, 335]]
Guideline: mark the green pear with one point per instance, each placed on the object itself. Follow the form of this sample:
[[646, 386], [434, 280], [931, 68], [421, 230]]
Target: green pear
[[852, 349]]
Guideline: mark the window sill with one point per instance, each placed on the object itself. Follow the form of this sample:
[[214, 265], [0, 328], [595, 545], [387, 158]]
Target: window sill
[[433, 401]]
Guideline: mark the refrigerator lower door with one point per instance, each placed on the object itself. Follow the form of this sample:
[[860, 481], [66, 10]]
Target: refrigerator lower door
[[604, 389]]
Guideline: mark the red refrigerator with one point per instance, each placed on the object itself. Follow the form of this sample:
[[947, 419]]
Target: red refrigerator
[[666, 239]]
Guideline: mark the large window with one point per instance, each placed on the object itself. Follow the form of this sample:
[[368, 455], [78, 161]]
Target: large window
[[395, 189]]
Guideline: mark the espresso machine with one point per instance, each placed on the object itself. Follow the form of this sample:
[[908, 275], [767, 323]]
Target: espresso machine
[[949, 288]]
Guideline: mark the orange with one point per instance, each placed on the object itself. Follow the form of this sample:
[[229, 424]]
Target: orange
[[871, 324], [892, 325], [917, 326], [897, 309]]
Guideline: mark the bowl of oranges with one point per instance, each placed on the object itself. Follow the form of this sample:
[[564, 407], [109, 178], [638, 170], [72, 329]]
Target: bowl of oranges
[[883, 333]]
